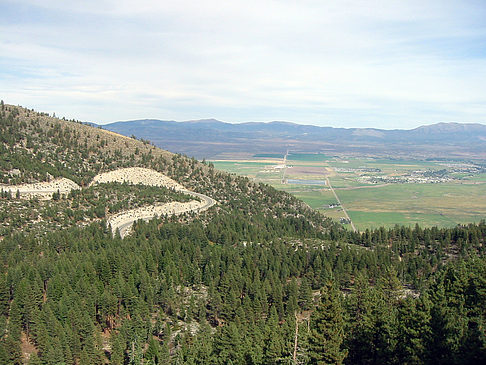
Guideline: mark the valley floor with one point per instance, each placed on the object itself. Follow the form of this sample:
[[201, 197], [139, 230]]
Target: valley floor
[[375, 192]]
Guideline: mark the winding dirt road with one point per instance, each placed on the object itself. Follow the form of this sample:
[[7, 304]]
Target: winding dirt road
[[123, 221]]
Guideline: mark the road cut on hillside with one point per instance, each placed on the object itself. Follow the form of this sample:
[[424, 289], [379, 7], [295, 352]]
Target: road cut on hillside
[[42, 190], [137, 175], [123, 221]]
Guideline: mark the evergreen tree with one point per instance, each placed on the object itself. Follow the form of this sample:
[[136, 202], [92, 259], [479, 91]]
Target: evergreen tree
[[274, 343], [414, 330], [152, 355], [327, 329], [4, 295], [229, 345], [305, 294], [118, 346], [34, 359]]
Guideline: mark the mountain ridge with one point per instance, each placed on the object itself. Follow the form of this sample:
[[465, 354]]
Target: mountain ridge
[[282, 122], [192, 138]]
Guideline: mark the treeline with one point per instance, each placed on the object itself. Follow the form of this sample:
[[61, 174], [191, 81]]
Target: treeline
[[188, 294], [41, 147]]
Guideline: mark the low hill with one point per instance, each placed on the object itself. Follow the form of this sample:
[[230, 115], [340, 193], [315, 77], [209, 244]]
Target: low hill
[[211, 138]]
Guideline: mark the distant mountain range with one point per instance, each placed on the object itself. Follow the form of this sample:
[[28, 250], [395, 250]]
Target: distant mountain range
[[210, 138]]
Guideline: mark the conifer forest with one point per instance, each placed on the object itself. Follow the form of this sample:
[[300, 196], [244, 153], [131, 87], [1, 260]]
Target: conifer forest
[[258, 278]]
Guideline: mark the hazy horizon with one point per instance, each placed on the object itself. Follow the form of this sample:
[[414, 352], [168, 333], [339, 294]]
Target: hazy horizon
[[280, 121]]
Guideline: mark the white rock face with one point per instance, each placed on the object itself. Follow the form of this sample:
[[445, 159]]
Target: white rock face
[[123, 221], [137, 175], [42, 190]]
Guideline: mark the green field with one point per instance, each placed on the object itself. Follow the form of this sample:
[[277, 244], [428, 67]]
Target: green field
[[308, 157], [443, 204], [268, 155], [426, 204], [241, 168]]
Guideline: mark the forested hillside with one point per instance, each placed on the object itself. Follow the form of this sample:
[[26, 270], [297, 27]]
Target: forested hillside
[[259, 278], [36, 147]]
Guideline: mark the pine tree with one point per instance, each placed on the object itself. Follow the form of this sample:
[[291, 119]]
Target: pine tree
[[327, 329], [229, 345], [152, 354], [293, 295], [34, 359], [4, 295], [53, 354], [305, 294], [273, 339], [118, 346], [390, 284], [414, 329]]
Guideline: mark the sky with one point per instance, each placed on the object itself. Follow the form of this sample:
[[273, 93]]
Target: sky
[[376, 63]]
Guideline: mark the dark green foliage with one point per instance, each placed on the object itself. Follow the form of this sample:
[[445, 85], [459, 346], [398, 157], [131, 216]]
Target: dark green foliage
[[414, 331], [4, 295], [241, 307], [41, 148], [327, 329]]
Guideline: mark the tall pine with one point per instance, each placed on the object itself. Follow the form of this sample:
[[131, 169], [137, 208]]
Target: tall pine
[[327, 329]]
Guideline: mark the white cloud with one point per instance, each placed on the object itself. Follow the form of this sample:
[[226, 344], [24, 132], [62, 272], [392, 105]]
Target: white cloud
[[351, 63]]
